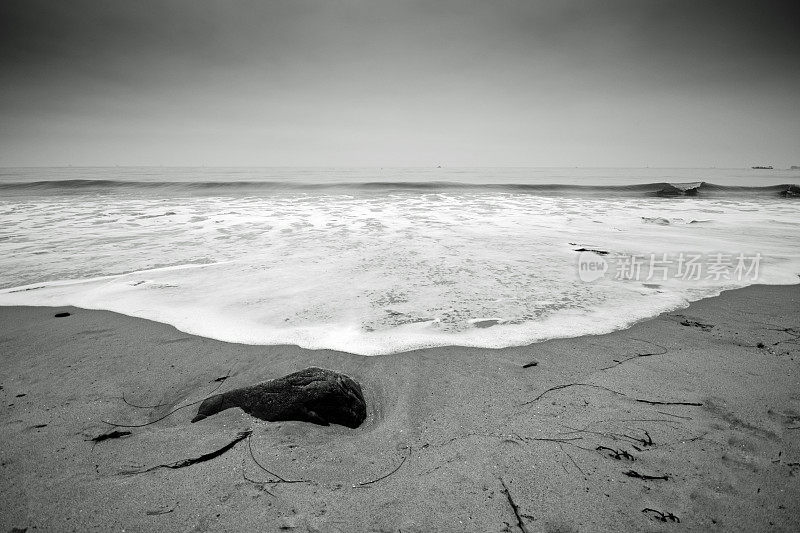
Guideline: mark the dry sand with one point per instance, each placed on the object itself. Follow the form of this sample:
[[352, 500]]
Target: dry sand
[[462, 423]]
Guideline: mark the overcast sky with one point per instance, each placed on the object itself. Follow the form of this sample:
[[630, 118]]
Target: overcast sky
[[396, 83]]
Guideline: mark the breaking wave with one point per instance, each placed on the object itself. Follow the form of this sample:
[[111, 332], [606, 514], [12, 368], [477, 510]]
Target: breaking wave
[[257, 188]]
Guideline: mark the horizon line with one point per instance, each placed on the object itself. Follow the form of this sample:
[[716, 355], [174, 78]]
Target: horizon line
[[421, 167]]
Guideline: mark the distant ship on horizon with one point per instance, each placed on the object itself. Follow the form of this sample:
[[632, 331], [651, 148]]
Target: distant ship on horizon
[[763, 168]]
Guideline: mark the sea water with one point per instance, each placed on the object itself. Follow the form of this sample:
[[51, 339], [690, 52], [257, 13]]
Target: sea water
[[379, 261]]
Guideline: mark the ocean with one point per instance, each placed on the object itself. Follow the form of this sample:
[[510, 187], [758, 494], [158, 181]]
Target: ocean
[[380, 261]]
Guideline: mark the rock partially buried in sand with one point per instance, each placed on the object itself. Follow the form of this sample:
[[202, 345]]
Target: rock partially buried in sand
[[312, 395]]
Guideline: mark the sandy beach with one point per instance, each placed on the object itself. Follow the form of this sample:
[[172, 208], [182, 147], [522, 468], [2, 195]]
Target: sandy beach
[[688, 421], [399, 266]]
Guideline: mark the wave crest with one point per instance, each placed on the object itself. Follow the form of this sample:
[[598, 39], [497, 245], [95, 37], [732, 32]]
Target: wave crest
[[665, 189]]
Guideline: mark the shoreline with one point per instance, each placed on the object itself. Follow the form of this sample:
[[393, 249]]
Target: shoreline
[[469, 428], [454, 337]]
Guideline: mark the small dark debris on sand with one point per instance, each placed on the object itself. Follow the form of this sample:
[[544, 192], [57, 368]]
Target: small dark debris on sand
[[693, 323], [62, 315], [598, 252], [161, 511], [634, 473], [110, 435], [647, 441], [658, 515], [312, 395], [616, 454], [28, 289]]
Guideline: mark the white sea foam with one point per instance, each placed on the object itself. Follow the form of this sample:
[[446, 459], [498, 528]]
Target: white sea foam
[[380, 272]]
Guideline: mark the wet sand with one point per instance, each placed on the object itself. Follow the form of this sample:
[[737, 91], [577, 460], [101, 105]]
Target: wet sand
[[704, 403]]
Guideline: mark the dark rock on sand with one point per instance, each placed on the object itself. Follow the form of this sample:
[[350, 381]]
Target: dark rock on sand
[[312, 395]]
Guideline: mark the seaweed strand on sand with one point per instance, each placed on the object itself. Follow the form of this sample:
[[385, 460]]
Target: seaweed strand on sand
[[194, 460], [514, 507], [370, 482]]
